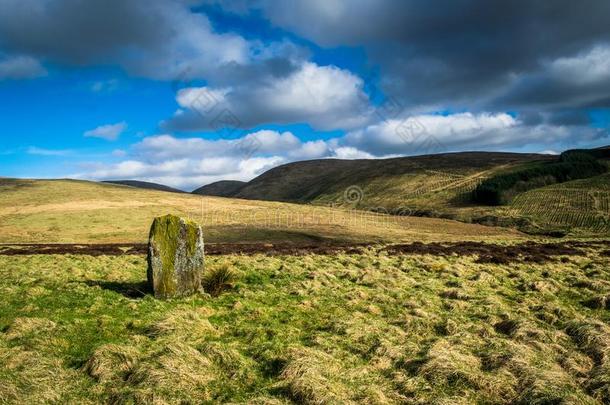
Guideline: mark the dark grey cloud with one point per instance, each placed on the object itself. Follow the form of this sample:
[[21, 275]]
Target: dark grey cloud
[[462, 53], [77, 31], [582, 80], [159, 39]]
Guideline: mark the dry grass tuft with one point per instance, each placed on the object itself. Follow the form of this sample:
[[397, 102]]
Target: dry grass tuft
[[449, 364], [229, 360], [454, 294], [35, 378], [111, 362], [218, 279], [187, 324], [175, 373], [263, 400], [541, 385], [541, 380], [592, 337], [310, 377], [26, 327]]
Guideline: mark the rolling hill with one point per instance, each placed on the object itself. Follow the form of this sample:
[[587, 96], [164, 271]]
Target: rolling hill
[[317, 180], [436, 186], [74, 211], [223, 188], [144, 185]]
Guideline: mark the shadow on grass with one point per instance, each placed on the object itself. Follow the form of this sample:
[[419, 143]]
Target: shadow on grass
[[125, 288]]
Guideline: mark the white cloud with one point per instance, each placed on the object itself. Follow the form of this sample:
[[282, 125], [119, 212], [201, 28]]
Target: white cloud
[[106, 86], [109, 132], [326, 97], [34, 150], [348, 152], [586, 68], [426, 134], [429, 133], [188, 163], [186, 174], [311, 150], [264, 142], [21, 67]]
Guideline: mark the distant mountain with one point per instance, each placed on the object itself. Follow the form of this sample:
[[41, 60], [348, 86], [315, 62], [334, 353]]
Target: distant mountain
[[144, 185], [224, 188]]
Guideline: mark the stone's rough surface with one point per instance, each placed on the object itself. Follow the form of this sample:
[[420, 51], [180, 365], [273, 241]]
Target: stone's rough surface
[[175, 257]]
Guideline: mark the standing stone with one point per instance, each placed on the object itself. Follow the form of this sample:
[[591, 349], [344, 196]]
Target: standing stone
[[175, 257]]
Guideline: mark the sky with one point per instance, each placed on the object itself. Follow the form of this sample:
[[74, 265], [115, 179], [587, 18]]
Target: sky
[[188, 92]]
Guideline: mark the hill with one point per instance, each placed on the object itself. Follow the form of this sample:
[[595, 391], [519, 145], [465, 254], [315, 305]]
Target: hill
[[437, 186], [71, 211], [223, 188], [320, 180], [144, 185]]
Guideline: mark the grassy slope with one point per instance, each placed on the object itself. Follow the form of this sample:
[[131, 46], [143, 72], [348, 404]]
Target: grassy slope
[[39, 211], [314, 329], [437, 186], [323, 180]]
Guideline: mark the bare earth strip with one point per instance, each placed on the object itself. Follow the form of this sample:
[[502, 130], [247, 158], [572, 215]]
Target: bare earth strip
[[487, 252]]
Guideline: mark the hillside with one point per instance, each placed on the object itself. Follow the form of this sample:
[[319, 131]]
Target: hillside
[[223, 188], [436, 186], [581, 204], [144, 185], [317, 180], [71, 211]]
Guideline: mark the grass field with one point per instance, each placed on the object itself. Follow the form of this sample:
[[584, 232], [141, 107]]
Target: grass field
[[417, 324], [67, 211], [358, 328]]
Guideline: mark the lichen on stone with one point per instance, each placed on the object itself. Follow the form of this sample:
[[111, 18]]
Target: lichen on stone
[[175, 257]]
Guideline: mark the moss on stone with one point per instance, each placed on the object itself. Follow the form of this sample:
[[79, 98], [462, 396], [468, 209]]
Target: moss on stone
[[175, 257]]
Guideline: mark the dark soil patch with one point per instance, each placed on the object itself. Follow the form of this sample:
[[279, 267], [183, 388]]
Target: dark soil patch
[[488, 253], [507, 327], [106, 249], [599, 302], [119, 249], [529, 252]]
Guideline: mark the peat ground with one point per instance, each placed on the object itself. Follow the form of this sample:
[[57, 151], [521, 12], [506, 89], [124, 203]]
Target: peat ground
[[528, 252]]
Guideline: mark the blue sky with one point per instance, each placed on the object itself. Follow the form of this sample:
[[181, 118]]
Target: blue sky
[[190, 92]]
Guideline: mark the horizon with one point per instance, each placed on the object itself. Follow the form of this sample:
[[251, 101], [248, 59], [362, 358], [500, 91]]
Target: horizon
[[187, 93], [117, 181]]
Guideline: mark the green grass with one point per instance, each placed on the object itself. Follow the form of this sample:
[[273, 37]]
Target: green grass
[[368, 328], [348, 328]]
